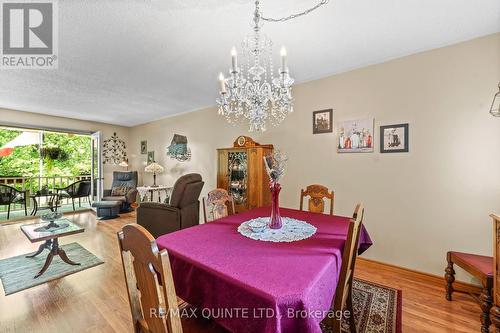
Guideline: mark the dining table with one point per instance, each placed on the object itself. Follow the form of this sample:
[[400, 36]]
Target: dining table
[[249, 285]]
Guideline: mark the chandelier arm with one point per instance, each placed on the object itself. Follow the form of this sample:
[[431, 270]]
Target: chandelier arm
[[290, 17]]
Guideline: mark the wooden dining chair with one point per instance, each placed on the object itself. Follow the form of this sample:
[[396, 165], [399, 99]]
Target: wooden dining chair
[[216, 205], [317, 194], [149, 281], [343, 295]]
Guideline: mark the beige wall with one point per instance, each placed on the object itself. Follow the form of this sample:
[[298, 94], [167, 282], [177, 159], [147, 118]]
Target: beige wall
[[35, 120], [418, 204]]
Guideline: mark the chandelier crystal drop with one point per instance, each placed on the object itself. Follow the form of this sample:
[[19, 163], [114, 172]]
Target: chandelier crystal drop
[[251, 91]]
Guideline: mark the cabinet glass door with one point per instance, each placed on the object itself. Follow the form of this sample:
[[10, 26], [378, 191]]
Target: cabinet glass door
[[238, 176]]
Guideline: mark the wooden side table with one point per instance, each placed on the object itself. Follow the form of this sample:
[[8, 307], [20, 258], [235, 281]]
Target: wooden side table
[[145, 190], [37, 232]]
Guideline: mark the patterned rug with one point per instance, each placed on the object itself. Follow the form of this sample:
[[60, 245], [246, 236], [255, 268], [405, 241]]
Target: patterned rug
[[377, 309], [17, 273]]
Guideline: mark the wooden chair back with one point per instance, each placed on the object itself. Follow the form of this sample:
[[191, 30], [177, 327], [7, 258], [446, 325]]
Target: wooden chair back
[[150, 285], [219, 203], [317, 194], [343, 295]]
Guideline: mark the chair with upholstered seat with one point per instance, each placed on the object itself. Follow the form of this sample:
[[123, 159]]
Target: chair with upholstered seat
[[480, 267], [123, 189], [183, 211], [317, 195], [219, 203], [149, 282], [342, 301]]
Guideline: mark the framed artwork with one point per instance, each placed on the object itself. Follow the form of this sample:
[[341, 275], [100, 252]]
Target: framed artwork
[[394, 138], [323, 121], [114, 150], [355, 136], [144, 147], [151, 157]]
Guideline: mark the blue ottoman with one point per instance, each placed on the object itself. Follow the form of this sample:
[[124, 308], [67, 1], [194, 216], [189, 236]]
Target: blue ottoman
[[106, 210]]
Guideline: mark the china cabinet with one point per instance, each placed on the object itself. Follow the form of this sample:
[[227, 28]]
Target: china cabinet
[[242, 173]]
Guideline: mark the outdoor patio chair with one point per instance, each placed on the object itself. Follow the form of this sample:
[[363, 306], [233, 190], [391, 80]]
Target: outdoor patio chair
[[77, 190], [10, 195]]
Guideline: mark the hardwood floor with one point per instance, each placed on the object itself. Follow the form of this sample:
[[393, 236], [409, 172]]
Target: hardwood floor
[[95, 300]]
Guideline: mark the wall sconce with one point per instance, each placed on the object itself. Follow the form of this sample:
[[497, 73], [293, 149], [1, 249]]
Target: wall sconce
[[124, 164], [495, 105]]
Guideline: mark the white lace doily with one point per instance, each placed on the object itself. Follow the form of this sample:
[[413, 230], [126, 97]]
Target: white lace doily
[[291, 231]]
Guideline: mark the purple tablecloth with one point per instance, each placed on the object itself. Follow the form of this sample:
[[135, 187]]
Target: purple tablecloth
[[254, 286]]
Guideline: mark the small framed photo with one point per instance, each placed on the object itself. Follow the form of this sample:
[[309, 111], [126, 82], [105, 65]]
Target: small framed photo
[[144, 147], [151, 157], [394, 138], [323, 121]]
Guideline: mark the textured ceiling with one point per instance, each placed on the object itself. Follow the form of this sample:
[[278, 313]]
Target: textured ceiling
[[129, 62]]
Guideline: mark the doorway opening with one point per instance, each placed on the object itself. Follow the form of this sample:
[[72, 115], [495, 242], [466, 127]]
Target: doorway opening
[[39, 163]]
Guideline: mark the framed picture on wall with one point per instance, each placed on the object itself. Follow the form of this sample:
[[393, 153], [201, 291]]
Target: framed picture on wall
[[151, 157], [394, 138], [323, 121], [144, 147], [355, 136]]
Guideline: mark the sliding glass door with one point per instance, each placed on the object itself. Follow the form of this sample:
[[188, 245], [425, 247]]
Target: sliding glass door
[[41, 161], [96, 172]]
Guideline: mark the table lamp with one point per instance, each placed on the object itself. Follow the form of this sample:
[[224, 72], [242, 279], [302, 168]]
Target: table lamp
[[154, 168]]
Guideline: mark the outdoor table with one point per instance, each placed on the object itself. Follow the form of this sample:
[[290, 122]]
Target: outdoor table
[[52, 199]]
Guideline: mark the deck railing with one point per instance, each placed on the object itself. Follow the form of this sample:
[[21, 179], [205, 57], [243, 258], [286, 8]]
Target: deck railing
[[33, 184]]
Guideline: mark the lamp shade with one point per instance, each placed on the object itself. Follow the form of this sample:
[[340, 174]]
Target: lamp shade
[[495, 105], [154, 168]]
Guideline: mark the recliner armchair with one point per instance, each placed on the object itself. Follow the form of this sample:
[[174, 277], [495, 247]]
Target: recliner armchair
[[123, 179], [183, 211]]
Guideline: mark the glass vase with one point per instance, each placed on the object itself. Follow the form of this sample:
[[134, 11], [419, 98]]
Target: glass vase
[[275, 220]]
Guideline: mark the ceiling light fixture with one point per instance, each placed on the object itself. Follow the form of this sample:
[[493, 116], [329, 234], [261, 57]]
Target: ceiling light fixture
[[495, 105], [252, 92]]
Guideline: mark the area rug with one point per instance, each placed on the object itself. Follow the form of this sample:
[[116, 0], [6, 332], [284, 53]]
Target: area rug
[[377, 309], [17, 273]]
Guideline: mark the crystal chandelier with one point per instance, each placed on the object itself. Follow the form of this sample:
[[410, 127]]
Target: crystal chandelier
[[251, 91]]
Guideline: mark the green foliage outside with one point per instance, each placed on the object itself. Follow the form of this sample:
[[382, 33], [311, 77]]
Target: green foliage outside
[[25, 160]]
